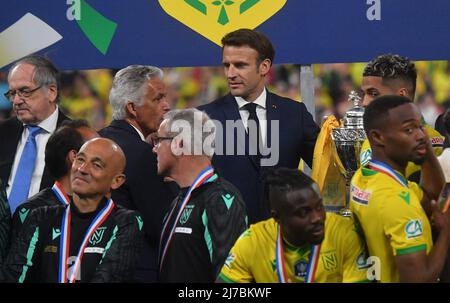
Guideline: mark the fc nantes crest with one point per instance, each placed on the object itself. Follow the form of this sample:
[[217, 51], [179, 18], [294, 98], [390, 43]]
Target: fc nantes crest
[[214, 19]]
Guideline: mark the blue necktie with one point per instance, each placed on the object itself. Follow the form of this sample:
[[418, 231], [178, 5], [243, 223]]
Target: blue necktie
[[22, 180]]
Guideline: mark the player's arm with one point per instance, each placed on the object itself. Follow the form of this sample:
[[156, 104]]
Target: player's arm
[[237, 268], [224, 220], [432, 178], [418, 266], [25, 250]]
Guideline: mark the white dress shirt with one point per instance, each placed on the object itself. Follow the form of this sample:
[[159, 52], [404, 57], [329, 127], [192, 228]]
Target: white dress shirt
[[260, 112], [139, 132], [49, 127]]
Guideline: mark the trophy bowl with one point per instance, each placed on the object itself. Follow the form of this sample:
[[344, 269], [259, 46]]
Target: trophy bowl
[[348, 141]]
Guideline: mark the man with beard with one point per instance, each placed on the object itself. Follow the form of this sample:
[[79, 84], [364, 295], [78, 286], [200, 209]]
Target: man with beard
[[388, 206], [300, 243]]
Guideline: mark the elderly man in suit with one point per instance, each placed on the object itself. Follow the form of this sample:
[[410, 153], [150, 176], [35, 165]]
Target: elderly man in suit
[[283, 129], [33, 91], [139, 101]]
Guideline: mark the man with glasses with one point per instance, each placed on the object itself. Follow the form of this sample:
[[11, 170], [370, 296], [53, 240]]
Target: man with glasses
[[209, 214], [33, 91], [139, 100]]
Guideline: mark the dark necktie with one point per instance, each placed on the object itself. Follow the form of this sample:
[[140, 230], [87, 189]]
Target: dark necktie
[[24, 172], [254, 136]]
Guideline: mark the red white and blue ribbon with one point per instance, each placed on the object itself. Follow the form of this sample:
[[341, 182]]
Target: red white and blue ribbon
[[386, 169], [279, 258], [60, 193], [313, 264], [280, 263], [202, 178], [65, 242]]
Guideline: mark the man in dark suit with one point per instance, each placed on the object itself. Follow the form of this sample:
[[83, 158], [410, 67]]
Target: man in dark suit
[[33, 91], [139, 101], [283, 129]]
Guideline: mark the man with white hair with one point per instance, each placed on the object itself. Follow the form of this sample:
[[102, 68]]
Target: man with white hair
[[139, 100], [209, 214]]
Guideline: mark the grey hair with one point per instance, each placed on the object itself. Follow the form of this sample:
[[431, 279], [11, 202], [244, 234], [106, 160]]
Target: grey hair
[[196, 129], [128, 86], [45, 72]]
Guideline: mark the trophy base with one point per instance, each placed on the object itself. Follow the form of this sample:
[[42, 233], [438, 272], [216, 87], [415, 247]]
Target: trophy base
[[345, 212]]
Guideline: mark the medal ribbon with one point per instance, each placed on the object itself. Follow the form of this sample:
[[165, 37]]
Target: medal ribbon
[[202, 178], [280, 264], [386, 169], [65, 241], [60, 193]]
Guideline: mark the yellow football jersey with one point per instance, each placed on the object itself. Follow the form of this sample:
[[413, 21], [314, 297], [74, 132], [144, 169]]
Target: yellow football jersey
[[437, 142], [391, 218], [342, 255]]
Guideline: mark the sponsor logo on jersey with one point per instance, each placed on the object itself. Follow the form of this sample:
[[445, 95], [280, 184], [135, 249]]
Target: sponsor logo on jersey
[[365, 156], [329, 261], [23, 213], [97, 236], [51, 249], [300, 268], [231, 257], [183, 230], [413, 229], [437, 141], [360, 196], [186, 214], [94, 250], [56, 232]]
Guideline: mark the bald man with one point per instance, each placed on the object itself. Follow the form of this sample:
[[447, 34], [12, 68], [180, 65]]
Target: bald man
[[89, 240]]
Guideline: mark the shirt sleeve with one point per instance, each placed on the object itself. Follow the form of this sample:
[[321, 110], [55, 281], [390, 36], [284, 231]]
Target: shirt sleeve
[[25, 249], [355, 256], [404, 224], [237, 267], [122, 251], [224, 220], [5, 223]]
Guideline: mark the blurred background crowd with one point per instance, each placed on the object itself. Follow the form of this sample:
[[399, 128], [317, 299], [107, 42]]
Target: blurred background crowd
[[84, 94]]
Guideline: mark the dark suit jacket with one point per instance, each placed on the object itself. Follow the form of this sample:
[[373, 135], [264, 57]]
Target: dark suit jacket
[[143, 191], [10, 133], [297, 136]]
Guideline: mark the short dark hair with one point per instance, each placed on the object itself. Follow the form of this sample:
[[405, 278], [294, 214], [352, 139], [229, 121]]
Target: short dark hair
[[252, 39], [377, 112], [391, 66], [60, 143], [281, 181]]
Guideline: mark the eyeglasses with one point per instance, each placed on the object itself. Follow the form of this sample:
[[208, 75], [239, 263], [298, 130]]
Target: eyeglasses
[[22, 92], [156, 140]]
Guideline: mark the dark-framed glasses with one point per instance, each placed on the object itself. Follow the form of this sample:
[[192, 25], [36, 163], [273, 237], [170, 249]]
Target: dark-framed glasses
[[22, 92], [157, 139]]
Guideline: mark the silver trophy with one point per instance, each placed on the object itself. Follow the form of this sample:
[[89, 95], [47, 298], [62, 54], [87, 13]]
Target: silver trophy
[[348, 140]]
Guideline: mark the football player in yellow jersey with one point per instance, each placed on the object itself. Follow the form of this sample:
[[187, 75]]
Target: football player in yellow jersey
[[394, 75], [388, 207], [300, 243]]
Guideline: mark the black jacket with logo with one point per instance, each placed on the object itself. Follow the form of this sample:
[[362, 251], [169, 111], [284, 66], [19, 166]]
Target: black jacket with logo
[[210, 224], [110, 255], [45, 197]]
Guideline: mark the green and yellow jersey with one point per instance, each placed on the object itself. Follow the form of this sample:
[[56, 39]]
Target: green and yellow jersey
[[342, 255], [391, 216]]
